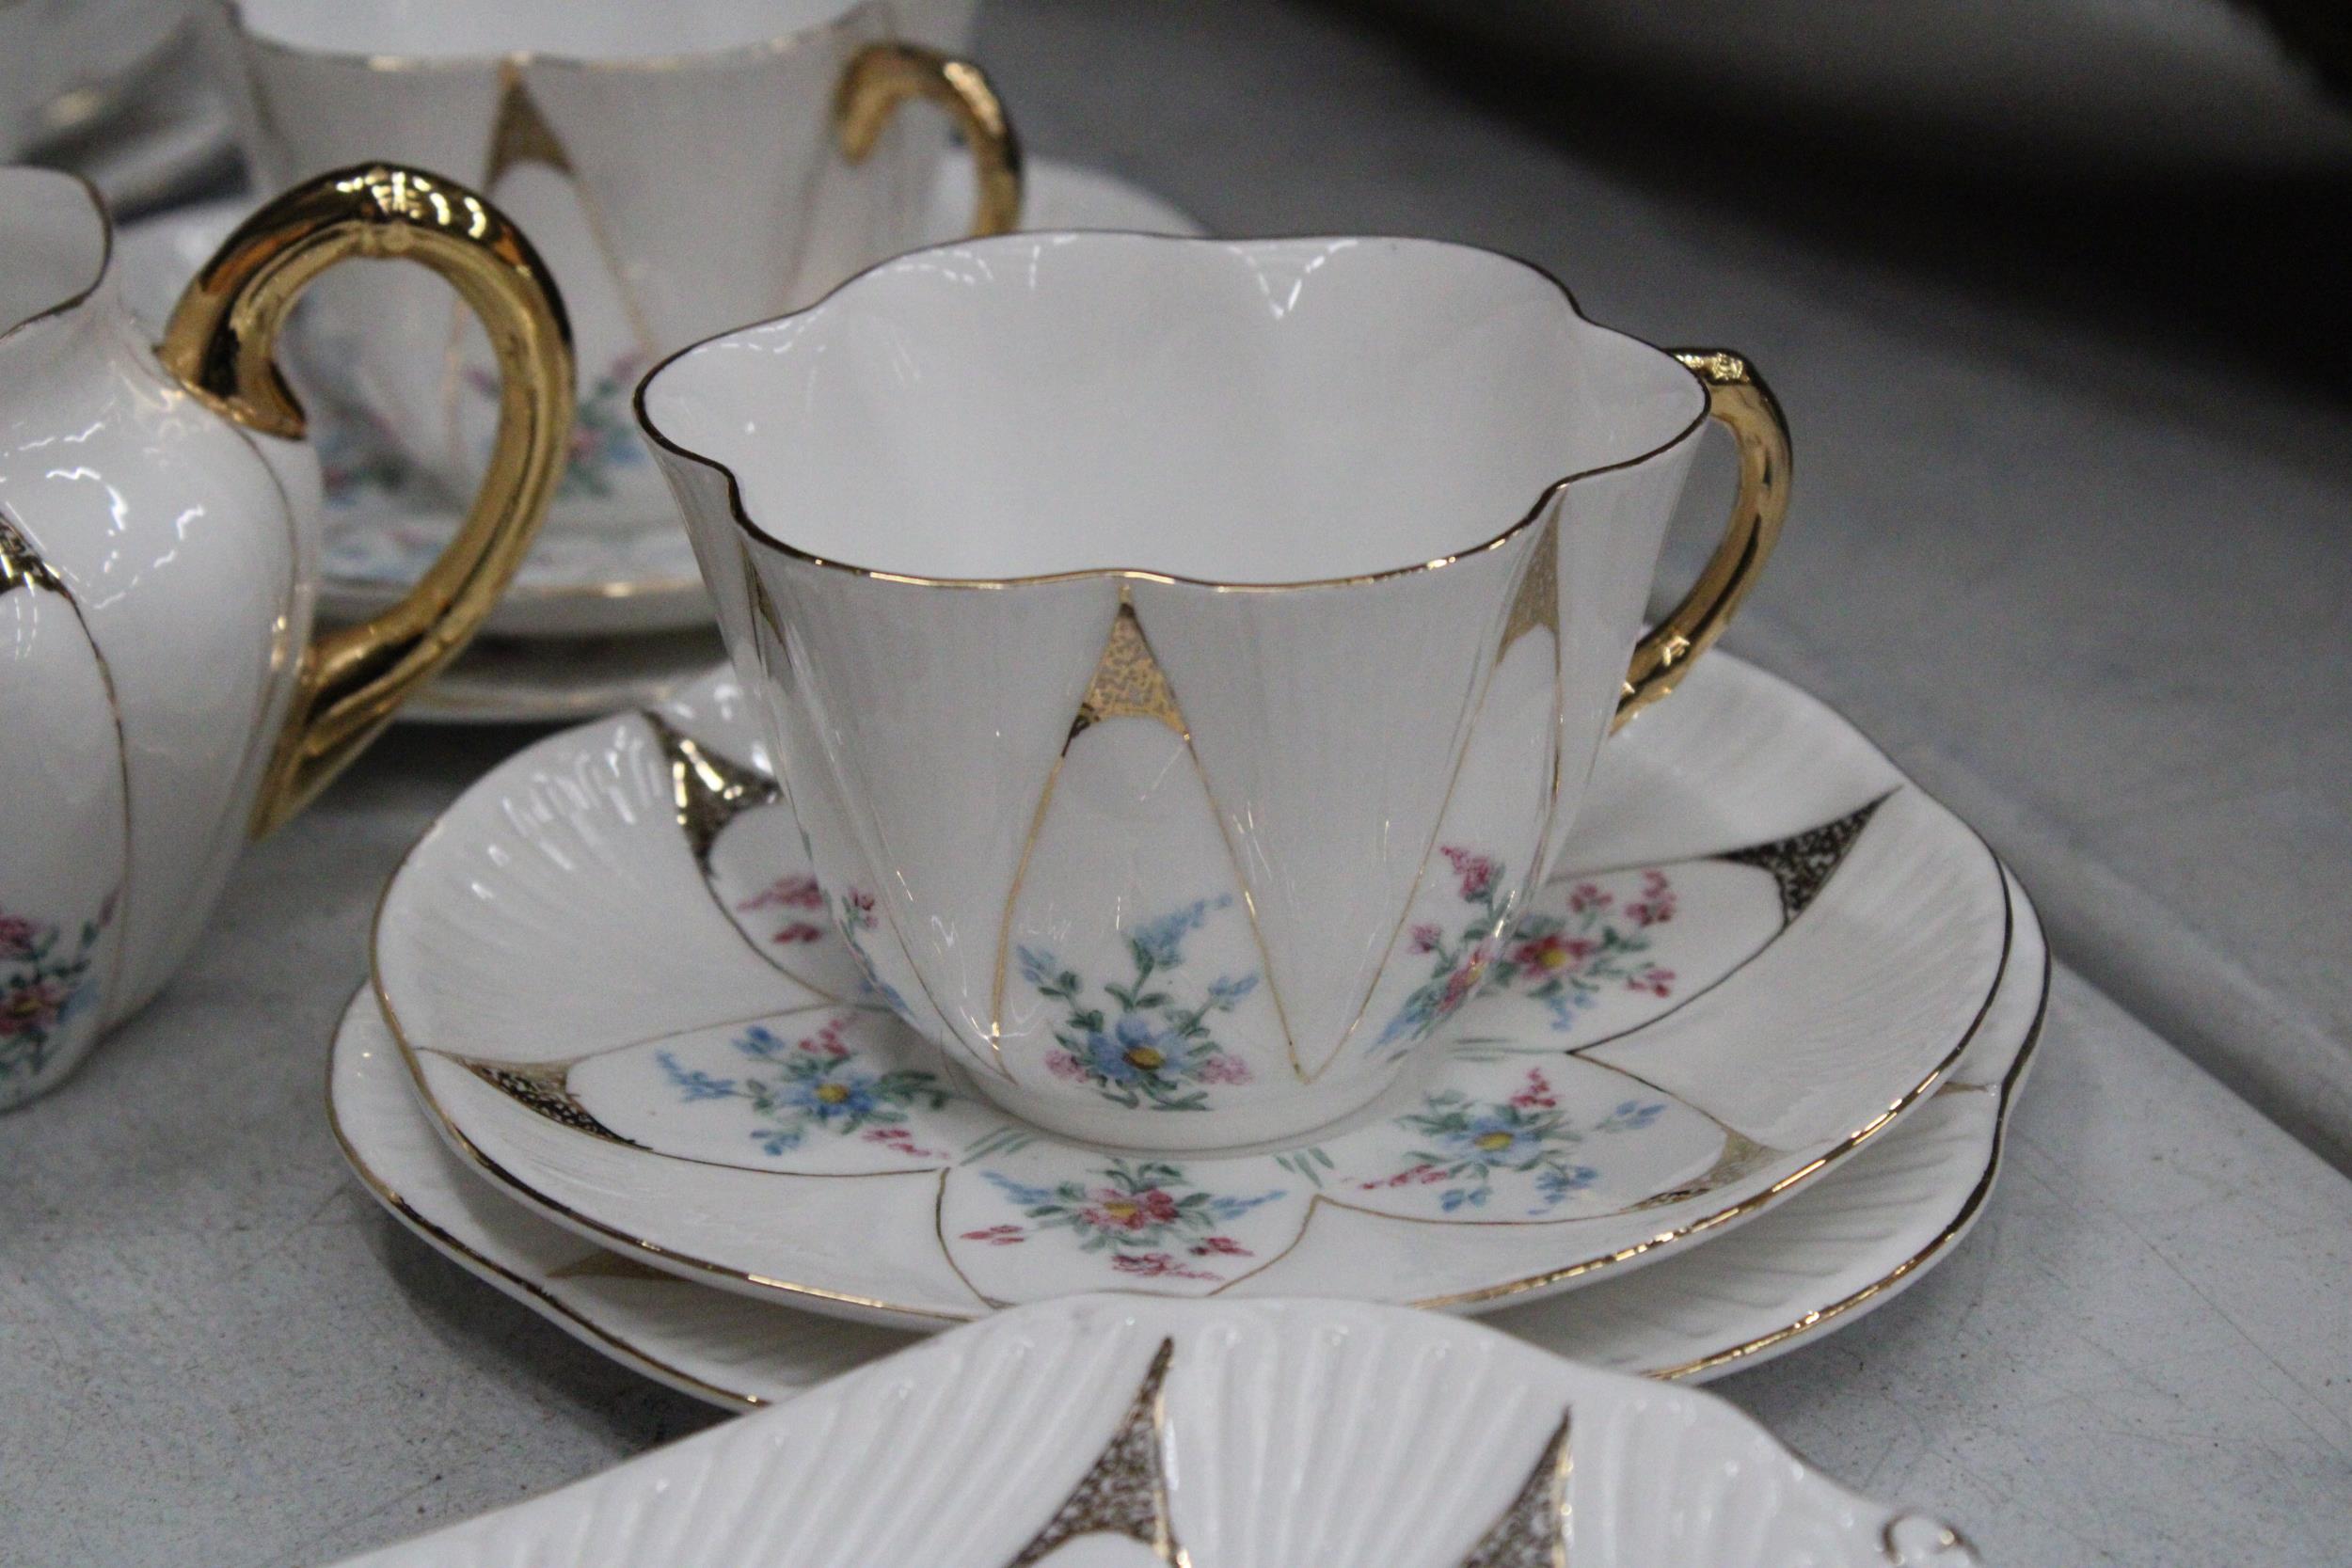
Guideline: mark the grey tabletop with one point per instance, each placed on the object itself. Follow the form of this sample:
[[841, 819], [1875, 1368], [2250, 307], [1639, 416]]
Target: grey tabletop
[[214, 1349]]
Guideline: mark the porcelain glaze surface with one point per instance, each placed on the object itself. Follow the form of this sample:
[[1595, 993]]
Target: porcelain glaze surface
[[1239, 583], [1860, 1237], [160, 694], [696, 1040], [164, 560], [384, 522], [1110, 1431], [679, 166]]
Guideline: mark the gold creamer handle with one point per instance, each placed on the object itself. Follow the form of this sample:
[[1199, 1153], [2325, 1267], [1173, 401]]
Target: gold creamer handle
[[221, 343], [1737, 398], [884, 75]]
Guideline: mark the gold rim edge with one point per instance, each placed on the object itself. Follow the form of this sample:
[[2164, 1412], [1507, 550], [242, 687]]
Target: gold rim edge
[[1789, 1336], [1771, 1196], [687, 1266], [533, 1293], [82, 296], [1779, 1340], [742, 517]]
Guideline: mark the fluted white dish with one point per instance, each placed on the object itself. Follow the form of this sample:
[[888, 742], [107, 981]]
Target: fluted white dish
[[612, 977], [1107, 1431], [1816, 1264]]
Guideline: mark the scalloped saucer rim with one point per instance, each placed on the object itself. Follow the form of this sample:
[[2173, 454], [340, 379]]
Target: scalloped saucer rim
[[734, 1352], [575, 1135]]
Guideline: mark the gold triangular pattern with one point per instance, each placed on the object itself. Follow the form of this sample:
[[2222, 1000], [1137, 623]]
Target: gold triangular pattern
[[1533, 1531], [708, 790], [1128, 681], [1803, 863], [21, 565], [601, 1264], [519, 132], [1125, 1492], [545, 1089], [1741, 1154], [1536, 605]]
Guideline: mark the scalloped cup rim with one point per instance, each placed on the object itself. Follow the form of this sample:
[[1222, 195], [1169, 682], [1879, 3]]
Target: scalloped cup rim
[[655, 402]]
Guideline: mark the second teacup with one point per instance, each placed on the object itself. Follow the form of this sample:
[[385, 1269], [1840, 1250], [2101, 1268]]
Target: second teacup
[[1184, 655], [684, 166]]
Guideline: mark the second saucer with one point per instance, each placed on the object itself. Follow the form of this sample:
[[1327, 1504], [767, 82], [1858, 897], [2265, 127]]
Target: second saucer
[[615, 985]]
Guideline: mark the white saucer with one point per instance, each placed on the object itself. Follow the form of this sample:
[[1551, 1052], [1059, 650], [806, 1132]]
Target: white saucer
[[384, 525], [1816, 1264], [1109, 1430], [615, 994]]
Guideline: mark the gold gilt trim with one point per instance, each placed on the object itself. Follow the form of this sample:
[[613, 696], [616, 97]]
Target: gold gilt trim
[[1729, 1214], [768, 628], [1126, 1490], [1534, 607], [708, 790], [545, 1089], [521, 134], [532, 1292], [1129, 682], [1801, 864], [1895, 1278], [1741, 1154], [1533, 1532], [1535, 509], [604, 1263], [81, 294], [621, 1266], [21, 565]]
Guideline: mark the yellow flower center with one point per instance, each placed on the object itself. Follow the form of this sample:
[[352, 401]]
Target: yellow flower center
[[1492, 1141], [1146, 1058], [833, 1094], [1119, 1208], [1553, 958]]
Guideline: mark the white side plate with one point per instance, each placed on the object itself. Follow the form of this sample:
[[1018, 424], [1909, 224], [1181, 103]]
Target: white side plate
[[1113, 1432]]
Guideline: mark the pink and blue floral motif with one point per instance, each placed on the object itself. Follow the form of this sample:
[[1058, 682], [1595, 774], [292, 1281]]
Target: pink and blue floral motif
[[1460, 958], [1147, 1215], [1465, 1143], [820, 1083], [792, 905], [853, 916], [1566, 960], [1154, 1049], [45, 983]]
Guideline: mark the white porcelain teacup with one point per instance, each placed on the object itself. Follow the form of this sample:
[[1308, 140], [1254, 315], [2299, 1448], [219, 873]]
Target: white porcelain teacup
[[684, 167], [1184, 655]]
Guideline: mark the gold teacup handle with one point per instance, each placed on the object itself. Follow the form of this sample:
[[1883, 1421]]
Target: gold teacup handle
[[1736, 396], [884, 75], [221, 344]]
